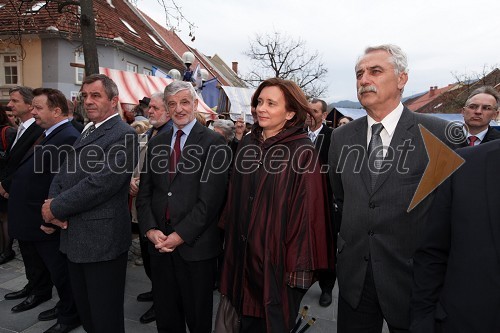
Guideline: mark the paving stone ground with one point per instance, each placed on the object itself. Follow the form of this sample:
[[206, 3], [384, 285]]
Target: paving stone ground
[[12, 278]]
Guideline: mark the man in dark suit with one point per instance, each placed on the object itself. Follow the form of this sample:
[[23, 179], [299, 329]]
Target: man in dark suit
[[88, 199], [320, 135], [160, 120], [479, 110], [39, 287], [377, 162], [30, 187], [181, 192], [457, 266]]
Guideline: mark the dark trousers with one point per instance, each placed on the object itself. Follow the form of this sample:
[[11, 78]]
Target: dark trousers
[[99, 289], [182, 293], [326, 279], [57, 265], [39, 282], [146, 260], [368, 316]]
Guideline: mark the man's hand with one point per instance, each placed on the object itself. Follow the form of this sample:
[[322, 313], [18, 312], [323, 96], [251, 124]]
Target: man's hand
[[134, 186], [46, 212], [155, 236], [173, 240], [60, 224], [3, 193], [47, 230]]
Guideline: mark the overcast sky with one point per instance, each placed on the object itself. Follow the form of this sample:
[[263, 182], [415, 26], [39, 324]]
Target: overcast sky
[[440, 37]]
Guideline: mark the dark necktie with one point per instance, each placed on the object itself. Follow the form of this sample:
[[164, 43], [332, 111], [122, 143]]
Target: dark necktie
[[176, 153], [375, 153], [472, 139], [88, 131]]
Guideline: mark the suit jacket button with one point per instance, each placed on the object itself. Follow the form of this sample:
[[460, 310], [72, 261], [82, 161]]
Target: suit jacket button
[[243, 238], [371, 205], [370, 232], [169, 194], [366, 258]]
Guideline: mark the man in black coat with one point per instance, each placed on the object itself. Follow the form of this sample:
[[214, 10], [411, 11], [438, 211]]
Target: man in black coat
[[456, 285], [39, 286], [181, 192], [320, 135], [479, 110], [30, 187]]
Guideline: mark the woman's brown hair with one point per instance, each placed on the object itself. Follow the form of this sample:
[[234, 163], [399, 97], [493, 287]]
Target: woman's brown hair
[[295, 99]]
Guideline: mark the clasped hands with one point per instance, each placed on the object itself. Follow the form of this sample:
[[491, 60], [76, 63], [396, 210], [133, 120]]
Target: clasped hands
[[162, 242], [48, 217]]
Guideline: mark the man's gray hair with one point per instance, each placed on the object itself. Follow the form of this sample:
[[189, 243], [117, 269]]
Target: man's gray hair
[[25, 92], [159, 95], [176, 86], [227, 127], [489, 90], [398, 57]]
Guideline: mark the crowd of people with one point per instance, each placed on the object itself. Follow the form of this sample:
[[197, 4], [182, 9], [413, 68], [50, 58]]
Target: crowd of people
[[260, 213]]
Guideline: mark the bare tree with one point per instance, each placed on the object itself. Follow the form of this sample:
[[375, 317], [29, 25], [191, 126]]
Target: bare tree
[[279, 55]]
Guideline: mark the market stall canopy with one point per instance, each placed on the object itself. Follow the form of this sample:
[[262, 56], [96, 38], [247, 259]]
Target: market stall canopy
[[134, 86], [236, 101]]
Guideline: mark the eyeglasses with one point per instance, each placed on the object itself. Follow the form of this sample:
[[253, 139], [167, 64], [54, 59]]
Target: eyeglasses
[[475, 107]]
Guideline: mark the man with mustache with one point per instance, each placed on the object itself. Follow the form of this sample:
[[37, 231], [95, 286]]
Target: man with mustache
[[376, 165], [480, 108]]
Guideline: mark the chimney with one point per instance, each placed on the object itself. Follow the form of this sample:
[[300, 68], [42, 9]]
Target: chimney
[[235, 67], [432, 91]]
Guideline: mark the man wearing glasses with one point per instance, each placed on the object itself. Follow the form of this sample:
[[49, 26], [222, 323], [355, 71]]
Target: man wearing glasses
[[480, 108]]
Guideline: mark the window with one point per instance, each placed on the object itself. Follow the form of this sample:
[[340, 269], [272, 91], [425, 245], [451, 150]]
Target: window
[[79, 72], [131, 67], [147, 71], [129, 27], [157, 43], [35, 8], [10, 69]]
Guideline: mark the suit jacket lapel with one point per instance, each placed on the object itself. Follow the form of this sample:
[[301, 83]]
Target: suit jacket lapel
[[492, 184], [98, 133], [358, 139], [402, 132]]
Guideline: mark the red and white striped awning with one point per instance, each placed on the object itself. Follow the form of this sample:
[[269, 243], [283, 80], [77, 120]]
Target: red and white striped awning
[[134, 86]]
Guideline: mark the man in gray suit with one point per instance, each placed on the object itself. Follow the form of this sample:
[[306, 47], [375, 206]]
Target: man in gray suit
[[181, 192], [377, 162], [88, 199]]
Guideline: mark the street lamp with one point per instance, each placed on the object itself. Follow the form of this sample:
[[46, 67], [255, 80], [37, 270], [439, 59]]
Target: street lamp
[[174, 74], [188, 59]]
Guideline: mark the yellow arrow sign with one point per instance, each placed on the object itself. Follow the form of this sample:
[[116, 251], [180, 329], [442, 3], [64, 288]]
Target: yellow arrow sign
[[443, 162]]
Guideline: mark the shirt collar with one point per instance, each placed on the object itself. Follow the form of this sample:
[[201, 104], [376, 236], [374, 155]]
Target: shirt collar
[[53, 127], [390, 121], [186, 129], [99, 123], [479, 135], [316, 132], [28, 123]]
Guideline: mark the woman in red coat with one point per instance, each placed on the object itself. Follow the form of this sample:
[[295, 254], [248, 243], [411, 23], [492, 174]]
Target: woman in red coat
[[276, 217]]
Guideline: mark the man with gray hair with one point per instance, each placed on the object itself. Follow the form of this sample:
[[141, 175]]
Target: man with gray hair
[[88, 200], [480, 109], [182, 190], [226, 128], [376, 165]]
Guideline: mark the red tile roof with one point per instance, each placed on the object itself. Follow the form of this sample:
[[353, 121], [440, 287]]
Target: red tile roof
[[426, 98], [108, 25]]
